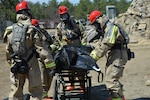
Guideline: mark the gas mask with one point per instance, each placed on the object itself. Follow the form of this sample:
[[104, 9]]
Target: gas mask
[[64, 17], [98, 28]]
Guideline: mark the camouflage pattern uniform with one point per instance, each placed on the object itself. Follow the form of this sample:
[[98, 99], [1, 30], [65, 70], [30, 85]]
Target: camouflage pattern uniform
[[71, 28], [34, 75], [70, 33]]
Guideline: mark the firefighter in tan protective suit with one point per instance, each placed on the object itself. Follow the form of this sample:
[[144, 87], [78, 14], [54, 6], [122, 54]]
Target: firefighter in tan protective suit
[[69, 33], [45, 76], [28, 60], [110, 43]]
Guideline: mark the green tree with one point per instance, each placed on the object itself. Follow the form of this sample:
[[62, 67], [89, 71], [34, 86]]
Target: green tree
[[52, 9], [82, 9], [122, 6], [49, 11], [7, 9], [100, 5], [36, 10]]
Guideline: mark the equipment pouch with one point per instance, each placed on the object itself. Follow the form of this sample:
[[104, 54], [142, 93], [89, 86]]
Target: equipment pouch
[[20, 67], [130, 54], [24, 68]]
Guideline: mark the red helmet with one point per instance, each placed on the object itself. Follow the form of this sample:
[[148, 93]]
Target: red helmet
[[35, 22], [22, 6], [93, 15], [62, 9]]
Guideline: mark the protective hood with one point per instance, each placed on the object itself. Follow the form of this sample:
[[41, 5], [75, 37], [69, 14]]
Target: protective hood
[[102, 20], [21, 18]]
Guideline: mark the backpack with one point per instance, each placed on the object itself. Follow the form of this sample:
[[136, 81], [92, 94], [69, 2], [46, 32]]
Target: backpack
[[19, 39], [123, 33], [130, 53]]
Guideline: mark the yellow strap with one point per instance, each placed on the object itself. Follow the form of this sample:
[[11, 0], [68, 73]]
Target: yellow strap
[[116, 98], [83, 43], [9, 28], [113, 35], [50, 65], [53, 47]]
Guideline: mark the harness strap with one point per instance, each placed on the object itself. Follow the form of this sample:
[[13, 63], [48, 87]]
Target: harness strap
[[31, 55], [102, 76]]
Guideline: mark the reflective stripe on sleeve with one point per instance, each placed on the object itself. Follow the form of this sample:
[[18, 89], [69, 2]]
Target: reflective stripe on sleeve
[[113, 35], [50, 65]]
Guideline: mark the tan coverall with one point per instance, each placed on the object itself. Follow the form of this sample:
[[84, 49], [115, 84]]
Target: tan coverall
[[34, 76], [110, 46], [45, 76]]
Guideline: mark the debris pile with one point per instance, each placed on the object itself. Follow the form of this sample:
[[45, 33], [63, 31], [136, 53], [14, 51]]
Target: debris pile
[[136, 20]]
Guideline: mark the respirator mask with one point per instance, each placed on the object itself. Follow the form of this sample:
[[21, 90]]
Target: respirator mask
[[98, 28], [64, 17]]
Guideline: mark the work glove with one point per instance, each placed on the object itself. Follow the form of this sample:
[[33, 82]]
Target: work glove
[[66, 39], [83, 43], [53, 47], [10, 63], [50, 65], [94, 55]]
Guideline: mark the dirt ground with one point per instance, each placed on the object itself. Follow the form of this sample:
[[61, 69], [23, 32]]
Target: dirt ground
[[136, 72]]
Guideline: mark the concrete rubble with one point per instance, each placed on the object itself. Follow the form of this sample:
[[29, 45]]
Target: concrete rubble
[[136, 20], [147, 83]]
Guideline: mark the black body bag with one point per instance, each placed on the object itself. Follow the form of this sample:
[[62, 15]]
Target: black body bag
[[76, 57]]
